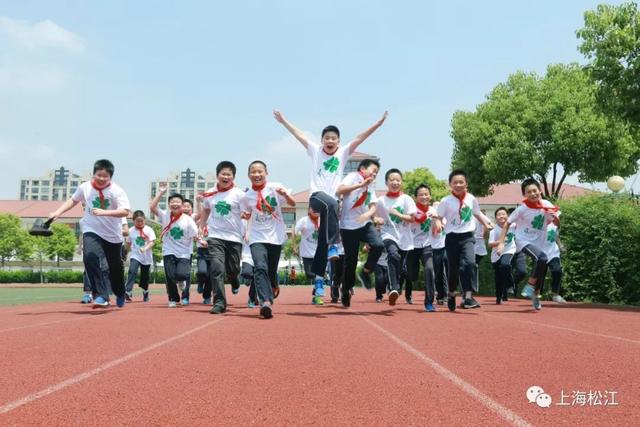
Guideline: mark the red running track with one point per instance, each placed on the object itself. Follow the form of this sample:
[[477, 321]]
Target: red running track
[[372, 364]]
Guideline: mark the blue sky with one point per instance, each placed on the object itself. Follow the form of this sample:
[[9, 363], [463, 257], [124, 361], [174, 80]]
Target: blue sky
[[162, 86]]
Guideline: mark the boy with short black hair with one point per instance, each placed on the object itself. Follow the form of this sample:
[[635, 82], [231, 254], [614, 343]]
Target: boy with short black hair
[[358, 207], [221, 215], [502, 262], [422, 230], [328, 161], [531, 220], [267, 232], [105, 206], [458, 209], [397, 210], [140, 241], [179, 231]]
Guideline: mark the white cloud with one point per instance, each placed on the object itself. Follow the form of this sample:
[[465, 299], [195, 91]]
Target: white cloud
[[42, 34], [36, 77]]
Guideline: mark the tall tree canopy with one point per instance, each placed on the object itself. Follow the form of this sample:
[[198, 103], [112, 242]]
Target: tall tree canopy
[[548, 127]]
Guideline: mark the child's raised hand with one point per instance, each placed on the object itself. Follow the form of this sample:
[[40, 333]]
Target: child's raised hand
[[383, 118], [199, 197], [281, 191], [368, 180], [278, 116], [162, 188]]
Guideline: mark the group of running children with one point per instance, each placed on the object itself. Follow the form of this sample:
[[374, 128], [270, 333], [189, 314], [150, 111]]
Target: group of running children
[[240, 233]]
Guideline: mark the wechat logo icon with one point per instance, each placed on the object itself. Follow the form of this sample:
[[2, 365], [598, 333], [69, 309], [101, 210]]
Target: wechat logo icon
[[535, 394]]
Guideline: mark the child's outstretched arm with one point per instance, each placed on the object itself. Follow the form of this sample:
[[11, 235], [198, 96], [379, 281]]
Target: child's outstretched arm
[[154, 203], [297, 133], [367, 133], [62, 209]]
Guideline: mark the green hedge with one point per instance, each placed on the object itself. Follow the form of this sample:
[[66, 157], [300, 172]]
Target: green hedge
[[601, 239], [52, 276]]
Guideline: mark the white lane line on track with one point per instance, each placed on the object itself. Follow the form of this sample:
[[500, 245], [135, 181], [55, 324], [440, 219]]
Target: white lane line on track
[[562, 328], [17, 328], [504, 412], [93, 372]]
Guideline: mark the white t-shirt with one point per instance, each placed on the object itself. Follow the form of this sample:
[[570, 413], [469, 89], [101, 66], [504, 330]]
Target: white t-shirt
[[394, 228], [308, 236], [266, 227], [107, 227], [178, 240], [531, 225], [479, 248], [327, 169], [459, 220], [550, 247], [509, 242], [137, 242], [348, 214], [224, 221], [423, 233]]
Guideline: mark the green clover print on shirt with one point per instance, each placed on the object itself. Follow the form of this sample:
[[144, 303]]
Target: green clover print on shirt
[[551, 236], [395, 218], [314, 235], [223, 208], [272, 201], [538, 222], [140, 241], [331, 164], [509, 238], [96, 203], [465, 214], [176, 233], [424, 227]]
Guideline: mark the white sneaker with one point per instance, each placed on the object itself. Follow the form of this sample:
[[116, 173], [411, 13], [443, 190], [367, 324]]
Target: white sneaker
[[172, 304], [558, 299]]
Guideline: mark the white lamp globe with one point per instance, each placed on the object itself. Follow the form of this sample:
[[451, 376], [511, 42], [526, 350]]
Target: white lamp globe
[[615, 183]]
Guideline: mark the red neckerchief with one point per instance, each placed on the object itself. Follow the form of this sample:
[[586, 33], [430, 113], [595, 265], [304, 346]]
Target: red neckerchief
[[394, 195], [141, 232], [99, 190], [422, 214], [216, 191], [171, 222], [538, 205], [461, 200], [315, 221], [363, 196], [261, 201]]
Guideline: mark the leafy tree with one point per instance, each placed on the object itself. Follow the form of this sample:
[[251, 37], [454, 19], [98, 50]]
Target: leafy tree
[[287, 248], [611, 41], [61, 244], [411, 180], [14, 240], [548, 127]]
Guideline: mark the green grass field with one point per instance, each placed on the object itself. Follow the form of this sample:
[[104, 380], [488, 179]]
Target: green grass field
[[35, 295]]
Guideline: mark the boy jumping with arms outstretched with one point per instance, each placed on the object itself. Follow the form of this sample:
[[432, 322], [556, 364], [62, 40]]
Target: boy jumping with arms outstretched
[[328, 161]]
